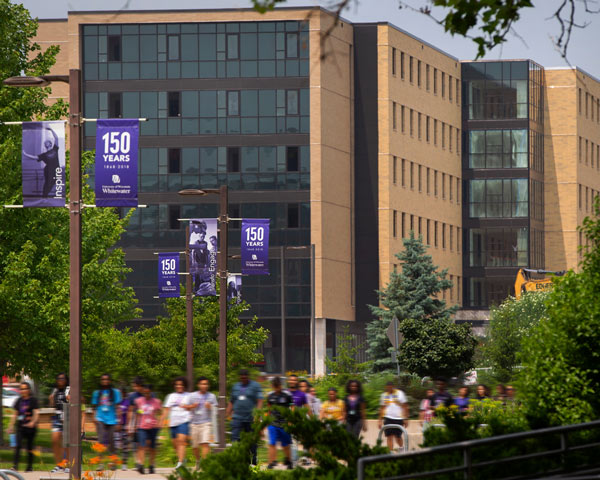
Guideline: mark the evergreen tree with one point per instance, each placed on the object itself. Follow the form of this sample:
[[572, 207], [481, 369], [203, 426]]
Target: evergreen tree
[[410, 294]]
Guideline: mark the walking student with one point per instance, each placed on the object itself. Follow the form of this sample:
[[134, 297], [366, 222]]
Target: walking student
[[393, 410], [137, 386], [299, 396], [179, 418], [246, 395], [355, 407], [333, 407], [202, 404], [149, 411], [277, 434], [24, 424], [59, 399], [105, 401], [122, 436]]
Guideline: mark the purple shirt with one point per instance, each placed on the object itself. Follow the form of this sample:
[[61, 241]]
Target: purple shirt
[[299, 398]]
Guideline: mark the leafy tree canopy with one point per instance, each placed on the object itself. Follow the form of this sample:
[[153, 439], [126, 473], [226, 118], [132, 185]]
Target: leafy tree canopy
[[34, 242], [560, 379]]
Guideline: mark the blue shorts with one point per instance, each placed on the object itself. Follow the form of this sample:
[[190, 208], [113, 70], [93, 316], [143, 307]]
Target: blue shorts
[[146, 437], [183, 429], [278, 434]]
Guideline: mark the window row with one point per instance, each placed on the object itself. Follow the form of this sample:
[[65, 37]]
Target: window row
[[498, 149], [424, 75], [425, 127], [158, 225], [589, 153], [425, 179], [586, 196], [206, 112], [483, 292], [498, 247], [205, 50], [212, 160], [592, 105], [499, 198], [434, 233]]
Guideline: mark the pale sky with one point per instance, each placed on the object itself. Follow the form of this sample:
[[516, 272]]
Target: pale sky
[[534, 28]]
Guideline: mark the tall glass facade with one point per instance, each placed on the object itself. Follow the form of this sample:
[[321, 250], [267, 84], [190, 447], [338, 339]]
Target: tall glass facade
[[503, 212], [226, 103]]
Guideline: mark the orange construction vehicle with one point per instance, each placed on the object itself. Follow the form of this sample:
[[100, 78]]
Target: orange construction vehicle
[[526, 283]]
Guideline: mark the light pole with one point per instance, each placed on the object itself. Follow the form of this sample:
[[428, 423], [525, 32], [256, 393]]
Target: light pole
[[222, 274], [75, 208], [189, 314]]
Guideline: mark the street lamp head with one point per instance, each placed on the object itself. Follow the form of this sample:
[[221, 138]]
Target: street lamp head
[[197, 191], [26, 81], [191, 191]]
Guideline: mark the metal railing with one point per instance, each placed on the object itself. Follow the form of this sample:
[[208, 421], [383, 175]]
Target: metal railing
[[466, 448], [403, 433]]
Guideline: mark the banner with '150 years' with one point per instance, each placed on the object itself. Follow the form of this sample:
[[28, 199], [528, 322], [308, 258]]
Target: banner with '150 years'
[[117, 162], [168, 275], [255, 246]]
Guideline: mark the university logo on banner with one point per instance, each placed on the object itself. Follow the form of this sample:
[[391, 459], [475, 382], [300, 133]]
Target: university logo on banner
[[43, 164], [234, 288], [168, 275], [203, 256], [117, 162], [255, 246]]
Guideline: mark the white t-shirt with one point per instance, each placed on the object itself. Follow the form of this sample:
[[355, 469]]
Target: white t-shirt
[[391, 408], [177, 414]]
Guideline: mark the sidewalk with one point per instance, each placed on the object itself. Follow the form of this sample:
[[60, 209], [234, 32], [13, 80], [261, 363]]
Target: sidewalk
[[161, 474]]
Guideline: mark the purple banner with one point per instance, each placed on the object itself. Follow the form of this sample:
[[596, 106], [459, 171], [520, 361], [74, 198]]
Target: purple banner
[[203, 255], [117, 162], [43, 164], [168, 275], [255, 246], [234, 288]]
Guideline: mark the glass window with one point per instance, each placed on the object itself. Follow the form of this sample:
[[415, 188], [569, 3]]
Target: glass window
[[174, 104], [233, 102], [266, 46], [498, 198], [292, 159], [174, 156], [149, 104], [268, 159], [90, 49], [189, 47], [114, 48], [189, 103], [498, 148], [131, 104], [293, 217], [292, 102], [266, 103], [130, 48], [233, 46], [190, 161], [248, 46], [207, 47], [233, 159], [114, 105], [249, 159], [292, 45]]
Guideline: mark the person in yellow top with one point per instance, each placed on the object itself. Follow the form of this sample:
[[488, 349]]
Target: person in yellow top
[[333, 408]]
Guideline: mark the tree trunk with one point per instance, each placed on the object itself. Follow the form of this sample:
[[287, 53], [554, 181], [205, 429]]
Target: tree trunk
[[1, 411]]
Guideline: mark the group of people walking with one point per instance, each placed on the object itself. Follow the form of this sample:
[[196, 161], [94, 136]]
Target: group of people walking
[[131, 423]]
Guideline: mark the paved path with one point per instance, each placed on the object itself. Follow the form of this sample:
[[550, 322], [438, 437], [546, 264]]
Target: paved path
[[130, 474]]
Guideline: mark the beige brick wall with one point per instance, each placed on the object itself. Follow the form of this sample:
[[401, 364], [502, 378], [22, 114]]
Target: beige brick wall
[[442, 158], [54, 32], [568, 170]]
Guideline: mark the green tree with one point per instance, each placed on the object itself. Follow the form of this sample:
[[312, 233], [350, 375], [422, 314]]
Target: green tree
[[345, 364], [436, 347], [158, 353], [560, 379], [410, 294], [34, 242], [509, 324]]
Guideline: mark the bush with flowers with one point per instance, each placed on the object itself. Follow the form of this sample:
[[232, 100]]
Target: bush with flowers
[[101, 466]]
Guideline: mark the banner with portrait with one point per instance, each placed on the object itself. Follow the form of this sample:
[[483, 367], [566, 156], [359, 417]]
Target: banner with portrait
[[117, 162], [203, 255], [234, 288], [43, 164], [168, 275]]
